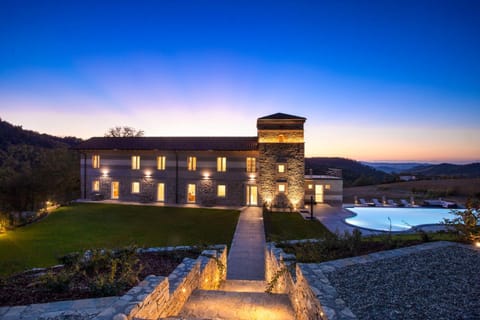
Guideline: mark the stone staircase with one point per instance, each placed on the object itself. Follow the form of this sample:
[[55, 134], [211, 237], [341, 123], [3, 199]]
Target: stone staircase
[[237, 299]]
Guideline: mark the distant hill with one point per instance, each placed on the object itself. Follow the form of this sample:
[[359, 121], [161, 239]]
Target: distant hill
[[354, 172], [16, 135], [448, 170], [394, 167]]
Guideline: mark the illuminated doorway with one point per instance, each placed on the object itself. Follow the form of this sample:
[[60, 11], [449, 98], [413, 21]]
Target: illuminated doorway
[[252, 198], [115, 189], [319, 193], [161, 192], [191, 193]]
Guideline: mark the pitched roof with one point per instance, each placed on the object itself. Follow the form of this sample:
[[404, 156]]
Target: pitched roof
[[170, 143], [281, 116]]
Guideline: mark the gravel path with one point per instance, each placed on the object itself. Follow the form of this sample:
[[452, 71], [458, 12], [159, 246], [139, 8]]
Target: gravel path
[[436, 284]]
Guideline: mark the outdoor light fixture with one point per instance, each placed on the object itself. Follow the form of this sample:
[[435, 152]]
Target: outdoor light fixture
[[295, 204], [252, 177], [206, 175], [105, 173], [477, 244], [148, 174]]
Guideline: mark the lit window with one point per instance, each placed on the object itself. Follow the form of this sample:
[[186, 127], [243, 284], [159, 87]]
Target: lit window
[[327, 187], [96, 161], [192, 163], [221, 164], [96, 185], [135, 162], [161, 160], [310, 186], [161, 192], [282, 187], [221, 190], [281, 168], [136, 187], [281, 138], [251, 165]]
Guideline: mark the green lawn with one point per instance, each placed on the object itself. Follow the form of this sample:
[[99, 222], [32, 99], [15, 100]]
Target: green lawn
[[83, 226], [291, 226]]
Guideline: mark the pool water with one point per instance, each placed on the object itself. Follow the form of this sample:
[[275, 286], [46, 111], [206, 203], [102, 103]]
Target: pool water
[[402, 219]]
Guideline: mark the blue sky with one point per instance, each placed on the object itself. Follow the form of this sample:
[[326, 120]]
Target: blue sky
[[377, 80]]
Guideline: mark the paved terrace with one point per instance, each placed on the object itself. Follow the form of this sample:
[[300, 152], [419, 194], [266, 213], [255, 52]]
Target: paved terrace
[[333, 219]]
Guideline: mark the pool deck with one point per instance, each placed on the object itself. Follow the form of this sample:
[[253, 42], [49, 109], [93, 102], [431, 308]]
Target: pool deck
[[333, 219]]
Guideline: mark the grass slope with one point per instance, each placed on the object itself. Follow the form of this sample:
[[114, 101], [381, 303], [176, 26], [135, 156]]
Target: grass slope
[[84, 226], [291, 226], [452, 189]]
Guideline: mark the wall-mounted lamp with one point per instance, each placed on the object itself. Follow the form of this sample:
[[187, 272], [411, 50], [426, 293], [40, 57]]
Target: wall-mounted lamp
[[206, 175], [148, 173], [104, 173], [251, 177]]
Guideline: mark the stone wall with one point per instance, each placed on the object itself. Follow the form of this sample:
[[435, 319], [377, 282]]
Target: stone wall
[[214, 269], [291, 280], [156, 296], [287, 136], [291, 154], [116, 166]]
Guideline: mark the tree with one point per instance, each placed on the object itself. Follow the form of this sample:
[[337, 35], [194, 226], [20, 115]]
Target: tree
[[124, 131], [31, 175]]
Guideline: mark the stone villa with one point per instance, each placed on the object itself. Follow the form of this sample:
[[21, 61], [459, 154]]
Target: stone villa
[[211, 171]]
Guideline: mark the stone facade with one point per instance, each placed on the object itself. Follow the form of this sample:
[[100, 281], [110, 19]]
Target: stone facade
[[115, 166], [324, 189], [281, 161], [107, 171]]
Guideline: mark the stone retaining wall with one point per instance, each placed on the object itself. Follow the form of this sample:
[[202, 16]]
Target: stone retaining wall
[[291, 280], [311, 293], [155, 297], [301, 282]]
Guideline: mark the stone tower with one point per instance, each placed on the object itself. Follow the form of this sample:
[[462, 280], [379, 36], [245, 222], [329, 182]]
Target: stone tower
[[281, 160]]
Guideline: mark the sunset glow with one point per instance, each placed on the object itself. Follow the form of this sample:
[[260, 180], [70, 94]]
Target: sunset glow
[[376, 81]]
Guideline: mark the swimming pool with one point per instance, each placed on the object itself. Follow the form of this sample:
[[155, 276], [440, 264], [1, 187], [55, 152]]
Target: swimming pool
[[402, 218]]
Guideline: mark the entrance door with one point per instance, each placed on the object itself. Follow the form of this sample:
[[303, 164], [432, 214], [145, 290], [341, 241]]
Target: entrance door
[[161, 192], [252, 196], [191, 193], [319, 193], [115, 189]]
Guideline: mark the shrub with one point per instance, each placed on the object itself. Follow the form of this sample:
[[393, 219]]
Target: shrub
[[466, 222], [57, 282], [103, 272], [334, 246], [424, 236]]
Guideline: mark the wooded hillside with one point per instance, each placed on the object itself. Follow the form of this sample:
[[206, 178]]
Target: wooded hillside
[[35, 168]]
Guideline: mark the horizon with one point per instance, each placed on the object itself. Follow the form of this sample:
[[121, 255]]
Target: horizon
[[309, 156], [378, 80]]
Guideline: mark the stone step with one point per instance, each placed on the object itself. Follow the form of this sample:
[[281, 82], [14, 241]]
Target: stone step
[[211, 304], [243, 286]]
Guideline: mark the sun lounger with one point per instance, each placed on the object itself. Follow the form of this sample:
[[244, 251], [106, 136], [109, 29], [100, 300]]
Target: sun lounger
[[392, 203], [376, 202], [363, 202], [405, 203]]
